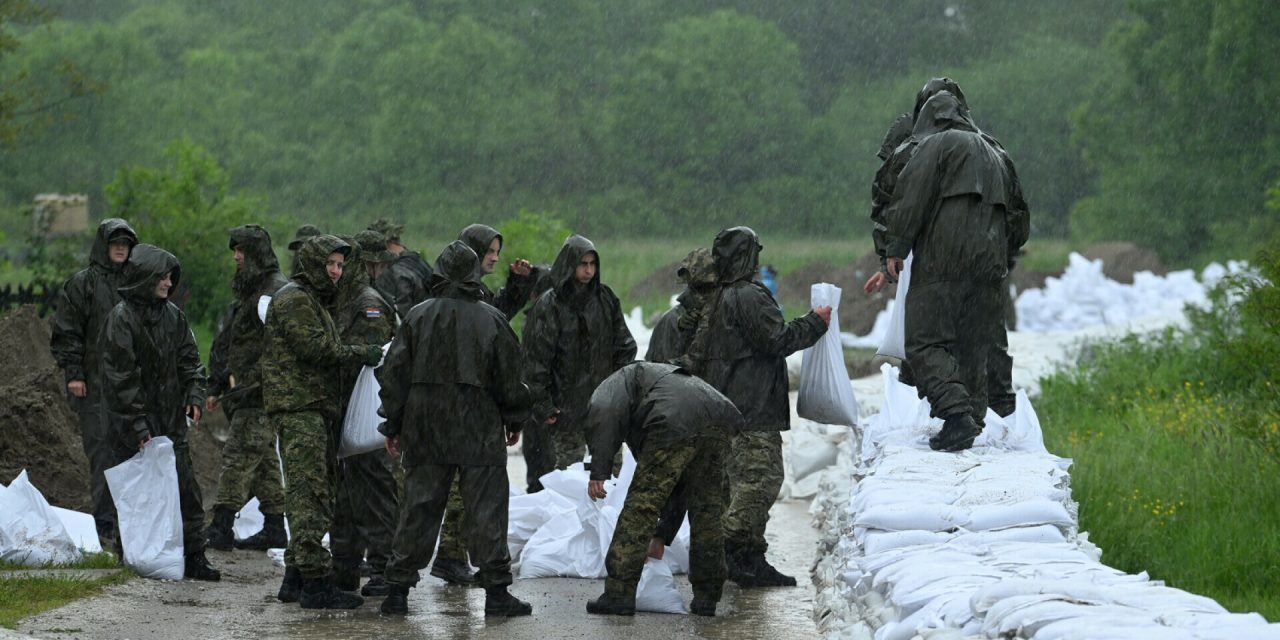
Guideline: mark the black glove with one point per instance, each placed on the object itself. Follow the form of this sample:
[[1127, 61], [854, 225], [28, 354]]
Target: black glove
[[372, 355]]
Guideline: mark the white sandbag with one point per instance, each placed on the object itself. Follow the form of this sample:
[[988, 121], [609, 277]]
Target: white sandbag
[[527, 513], [31, 534], [657, 589], [1022, 514], [808, 452], [826, 395], [263, 303], [249, 520], [81, 527], [571, 545], [894, 344], [677, 553], [360, 426], [145, 491], [905, 517]]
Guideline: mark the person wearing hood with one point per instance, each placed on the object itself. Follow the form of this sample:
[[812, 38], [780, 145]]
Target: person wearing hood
[[367, 499], [155, 382], [453, 401], [678, 428], [407, 280], [300, 236], [249, 463], [740, 348], [83, 304], [538, 448], [577, 337], [957, 207], [521, 276], [898, 148], [302, 366]]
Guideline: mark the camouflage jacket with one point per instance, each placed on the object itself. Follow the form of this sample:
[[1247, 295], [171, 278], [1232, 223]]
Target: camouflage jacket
[[364, 316]]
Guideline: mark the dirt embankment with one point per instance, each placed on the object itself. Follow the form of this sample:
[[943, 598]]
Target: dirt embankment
[[39, 431]]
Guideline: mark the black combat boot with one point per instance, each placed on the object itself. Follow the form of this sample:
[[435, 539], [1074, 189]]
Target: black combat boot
[[272, 536], [376, 587], [455, 572], [397, 600], [765, 575], [346, 578], [701, 606], [197, 567], [218, 535], [958, 433], [612, 605], [498, 602], [738, 566], [291, 586], [319, 593]]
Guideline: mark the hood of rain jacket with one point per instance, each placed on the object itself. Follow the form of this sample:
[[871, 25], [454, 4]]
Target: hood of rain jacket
[[737, 254], [147, 265], [571, 253], [457, 273], [312, 256], [110, 229], [259, 257]]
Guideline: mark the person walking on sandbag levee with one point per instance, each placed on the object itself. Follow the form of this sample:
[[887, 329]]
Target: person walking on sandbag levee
[[678, 427], [155, 383], [454, 399]]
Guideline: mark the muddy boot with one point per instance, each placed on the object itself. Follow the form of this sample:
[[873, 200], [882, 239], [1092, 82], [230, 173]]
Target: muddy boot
[[498, 602], [272, 535], [702, 606], [611, 605], [397, 601], [738, 566], [319, 593], [456, 572], [958, 433], [376, 587], [765, 575], [291, 586], [198, 568], [218, 535], [346, 578]]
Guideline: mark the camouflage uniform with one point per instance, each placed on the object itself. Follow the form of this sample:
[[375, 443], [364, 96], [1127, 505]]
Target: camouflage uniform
[[451, 389], [153, 372], [577, 338], [83, 305], [407, 280], [300, 236], [677, 426], [368, 497], [301, 369], [958, 207], [250, 466], [740, 349]]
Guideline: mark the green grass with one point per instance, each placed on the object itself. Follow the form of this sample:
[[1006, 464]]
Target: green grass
[[22, 596], [1176, 467], [1047, 254]]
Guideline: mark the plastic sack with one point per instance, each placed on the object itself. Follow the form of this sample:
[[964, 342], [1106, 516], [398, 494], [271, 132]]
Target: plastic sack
[[895, 340], [80, 526], [360, 426], [263, 303], [657, 589], [145, 491], [31, 534], [826, 395]]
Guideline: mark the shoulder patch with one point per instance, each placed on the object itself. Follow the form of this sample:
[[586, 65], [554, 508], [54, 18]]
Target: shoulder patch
[[373, 312]]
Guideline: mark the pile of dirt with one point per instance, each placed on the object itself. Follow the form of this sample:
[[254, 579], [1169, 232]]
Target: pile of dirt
[[858, 311], [205, 442], [1120, 260], [38, 430]]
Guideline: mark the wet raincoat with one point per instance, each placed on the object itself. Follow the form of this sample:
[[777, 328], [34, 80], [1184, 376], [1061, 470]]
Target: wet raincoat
[[742, 346], [452, 379], [150, 359], [576, 338], [83, 305], [406, 281], [511, 298]]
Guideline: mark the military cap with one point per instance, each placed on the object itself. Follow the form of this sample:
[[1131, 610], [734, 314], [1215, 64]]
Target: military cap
[[387, 228], [300, 236], [373, 247], [697, 268]]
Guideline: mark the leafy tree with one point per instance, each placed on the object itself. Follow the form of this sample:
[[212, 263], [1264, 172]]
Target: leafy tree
[[26, 105], [186, 207]]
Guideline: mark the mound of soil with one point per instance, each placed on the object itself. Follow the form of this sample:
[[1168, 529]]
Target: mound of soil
[[662, 282], [1120, 260], [38, 430], [857, 310], [40, 433]]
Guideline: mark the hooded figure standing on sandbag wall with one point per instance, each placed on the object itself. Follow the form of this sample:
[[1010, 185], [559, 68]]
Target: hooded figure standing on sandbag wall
[[740, 348], [678, 427], [300, 373], [576, 337], [83, 305], [250, 466], [454, 399], [957, 207], [368, 499], [155, 382]]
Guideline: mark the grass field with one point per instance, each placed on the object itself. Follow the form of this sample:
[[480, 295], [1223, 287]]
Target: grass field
[[25, 591]]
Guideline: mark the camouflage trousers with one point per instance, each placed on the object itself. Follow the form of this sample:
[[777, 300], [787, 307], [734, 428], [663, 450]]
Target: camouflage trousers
[[310, 479], [539, 454], [190, 500], [698, 464], [484, 491], [96, 436], [453, 544], [250, 466], [950, 330], [570, 444], [365, 510], [755, 478]]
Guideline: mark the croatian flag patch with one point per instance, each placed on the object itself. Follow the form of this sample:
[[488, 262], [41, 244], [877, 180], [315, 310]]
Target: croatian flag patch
[[373, 312]]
